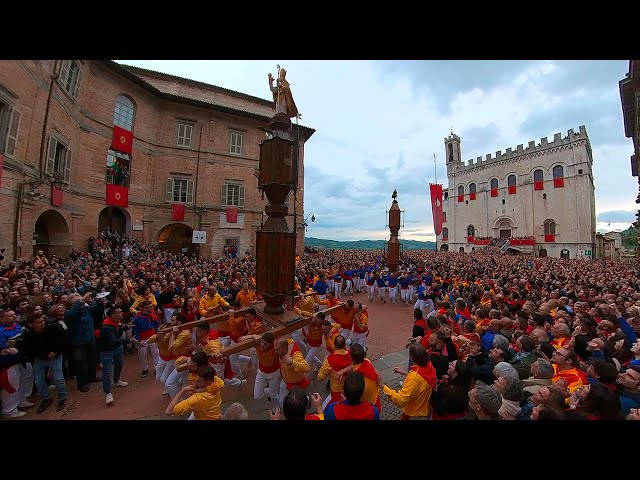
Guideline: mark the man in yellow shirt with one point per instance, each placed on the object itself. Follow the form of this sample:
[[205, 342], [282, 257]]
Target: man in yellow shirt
[[246, 297], [211, 301], [293, 366], [415, 395], [333, 364], [205, 400]]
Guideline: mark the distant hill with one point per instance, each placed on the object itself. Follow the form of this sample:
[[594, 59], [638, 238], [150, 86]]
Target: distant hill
[[365, 244]]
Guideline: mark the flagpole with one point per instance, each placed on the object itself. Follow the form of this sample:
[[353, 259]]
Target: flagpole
[[435, 170]]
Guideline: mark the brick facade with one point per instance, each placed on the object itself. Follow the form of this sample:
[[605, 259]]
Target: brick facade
[[84, 126]]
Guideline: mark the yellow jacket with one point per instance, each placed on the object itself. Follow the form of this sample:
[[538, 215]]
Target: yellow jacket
[[181, 343], [207, 302], [204, 405], [245, 299], [295, 372], [414, 397], [336, 384], [139, 300]]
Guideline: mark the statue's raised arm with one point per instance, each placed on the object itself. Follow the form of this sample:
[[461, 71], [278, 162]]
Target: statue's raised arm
[[282, 97]]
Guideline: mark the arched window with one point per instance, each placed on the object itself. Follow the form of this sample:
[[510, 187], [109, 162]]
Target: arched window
[[124, 113], [538, 176], [494, 183], [472, 188], [549, 227], [460, 190], [446, 195], [558, 171], [450, 146], [471, 231], [511, 181], [445, 233]]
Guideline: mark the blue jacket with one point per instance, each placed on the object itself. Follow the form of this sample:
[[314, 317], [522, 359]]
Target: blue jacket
[[628, 400], [7, 333], [79, 321], [487, 340], [143, 323], [320, 287]]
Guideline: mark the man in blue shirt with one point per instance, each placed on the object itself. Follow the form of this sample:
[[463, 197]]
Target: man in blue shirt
[[393, 287]]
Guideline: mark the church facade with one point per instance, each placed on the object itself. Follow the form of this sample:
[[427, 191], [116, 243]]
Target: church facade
[[538, 200]]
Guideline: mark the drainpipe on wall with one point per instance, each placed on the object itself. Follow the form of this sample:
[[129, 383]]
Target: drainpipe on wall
[[43, 145]]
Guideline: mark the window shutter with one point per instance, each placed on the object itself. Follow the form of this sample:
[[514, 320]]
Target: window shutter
[[180, 134], [67, 166], [12, 137], [239, 147], [169, 197], [241, 196], [189, 191], [223, 195], [64, 72], [76, 87], [51, 155]]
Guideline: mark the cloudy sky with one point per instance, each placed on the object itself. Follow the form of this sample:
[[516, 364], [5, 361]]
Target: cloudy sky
[[379, 123]]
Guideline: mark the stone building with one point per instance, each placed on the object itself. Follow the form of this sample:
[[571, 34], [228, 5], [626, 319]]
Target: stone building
[[192, 166], [608, 246], [630, 97], [536, 200]]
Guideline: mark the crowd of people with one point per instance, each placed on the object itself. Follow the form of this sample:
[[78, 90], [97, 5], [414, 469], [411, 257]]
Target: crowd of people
[[494, 336]]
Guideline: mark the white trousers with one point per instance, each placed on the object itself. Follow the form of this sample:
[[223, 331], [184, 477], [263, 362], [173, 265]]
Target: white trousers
[[337, 289], [298, 337], [371, 289], [349, 287], [312, 353], [267, 380], [164, 369], [226, 341], [175, 382], [346, 333], [235, 360], [142, 355], [393, 291], [360, 338], [381, 292], [322, 297], [404, 295], [20, 378]]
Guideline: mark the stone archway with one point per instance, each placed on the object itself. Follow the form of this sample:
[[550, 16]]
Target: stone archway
[[444, 247], [461, 250], [51, 234], [564, 253], [118, 219], [177, 238], [542, 252]]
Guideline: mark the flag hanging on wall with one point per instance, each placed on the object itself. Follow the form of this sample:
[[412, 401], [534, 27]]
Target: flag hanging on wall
[[232, 215], [436, 206], [117, 196], [177, 212], [57, 196], [122, 140]]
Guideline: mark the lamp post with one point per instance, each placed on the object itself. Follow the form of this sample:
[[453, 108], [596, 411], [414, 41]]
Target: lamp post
[[304, 222]]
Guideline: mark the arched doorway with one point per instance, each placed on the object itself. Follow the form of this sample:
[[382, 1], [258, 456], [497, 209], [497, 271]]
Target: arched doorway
[[444, 247], [115, 218], [542, 252], [461, 250], [504, 228], [176, 238], [564, 253], [51, 234]]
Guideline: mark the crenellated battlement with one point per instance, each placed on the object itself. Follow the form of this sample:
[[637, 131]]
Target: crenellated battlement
[[544, 144]]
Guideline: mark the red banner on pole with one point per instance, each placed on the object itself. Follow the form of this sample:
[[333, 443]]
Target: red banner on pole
[[57, 196], [436, 206], [122, 140], [232, 215], [177, 212], [117, 196]]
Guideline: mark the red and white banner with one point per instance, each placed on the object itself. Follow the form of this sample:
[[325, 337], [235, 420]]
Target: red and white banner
[[122, 140], [436, 206]]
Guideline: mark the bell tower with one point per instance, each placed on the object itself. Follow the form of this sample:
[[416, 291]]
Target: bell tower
[[452, 151]]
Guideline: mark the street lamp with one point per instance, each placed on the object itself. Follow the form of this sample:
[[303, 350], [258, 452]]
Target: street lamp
[[304, 222]]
